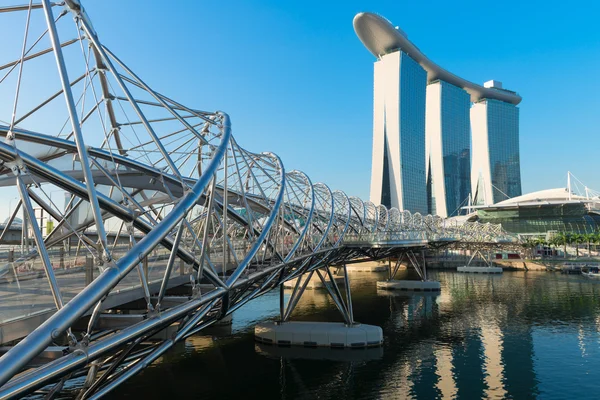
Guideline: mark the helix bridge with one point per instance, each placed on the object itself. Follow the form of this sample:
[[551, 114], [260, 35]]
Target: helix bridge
[[165, 224]]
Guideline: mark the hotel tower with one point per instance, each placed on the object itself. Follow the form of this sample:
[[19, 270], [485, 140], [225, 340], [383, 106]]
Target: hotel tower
[[440, 142]]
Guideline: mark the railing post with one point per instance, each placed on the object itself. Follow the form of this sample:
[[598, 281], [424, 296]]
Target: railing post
[[181, 267], [62, 257], [11, 255], [145, 265], [348, 295], [89, 270]]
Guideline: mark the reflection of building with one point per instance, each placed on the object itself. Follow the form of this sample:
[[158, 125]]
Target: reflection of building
[[448, 148], [400, 169], [496, 171]]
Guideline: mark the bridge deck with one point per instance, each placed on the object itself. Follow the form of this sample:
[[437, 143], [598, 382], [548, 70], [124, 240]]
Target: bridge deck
[[375, 242], [26, 303]]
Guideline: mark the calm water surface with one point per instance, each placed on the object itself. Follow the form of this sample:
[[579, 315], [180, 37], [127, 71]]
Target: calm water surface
[[519, 335]]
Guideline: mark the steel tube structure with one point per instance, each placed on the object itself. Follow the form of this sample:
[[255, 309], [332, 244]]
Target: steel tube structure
[[126, 156]]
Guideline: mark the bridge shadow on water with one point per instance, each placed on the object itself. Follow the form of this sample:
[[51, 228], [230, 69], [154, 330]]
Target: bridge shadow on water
[[517, 335]]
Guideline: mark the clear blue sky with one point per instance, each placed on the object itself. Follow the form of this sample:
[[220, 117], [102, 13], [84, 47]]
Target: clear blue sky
[[297, 81]]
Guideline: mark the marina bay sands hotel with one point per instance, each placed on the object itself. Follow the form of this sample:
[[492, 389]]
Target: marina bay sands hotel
[[438, 139]]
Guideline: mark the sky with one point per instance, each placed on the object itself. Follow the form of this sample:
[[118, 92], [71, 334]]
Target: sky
[[297, 81]]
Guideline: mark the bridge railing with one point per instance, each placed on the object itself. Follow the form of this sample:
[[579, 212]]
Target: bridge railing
[[424, 235], [387, 237]]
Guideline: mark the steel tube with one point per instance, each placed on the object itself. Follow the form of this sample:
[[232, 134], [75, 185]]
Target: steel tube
[[94, 40], [172, 256], [266, 227], [39, 241], [309, 217], [34, 343], [339, 306], [70, 184], [81, 150], [166, 345], [56, 369], [297, 295], [207, 223], [155, 95], [348, 294], [336, 289], [10, 220]]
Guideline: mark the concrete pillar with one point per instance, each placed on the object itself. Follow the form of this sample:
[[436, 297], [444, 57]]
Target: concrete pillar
[[181, 267]]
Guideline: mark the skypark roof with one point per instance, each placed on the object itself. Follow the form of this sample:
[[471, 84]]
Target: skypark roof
[[380, 37]]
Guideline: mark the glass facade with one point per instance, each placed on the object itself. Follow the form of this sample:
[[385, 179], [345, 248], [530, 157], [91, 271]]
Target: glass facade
[[431, 205], [413, 80], [386, 191], [456, 145], [566, 217], [503, 143]]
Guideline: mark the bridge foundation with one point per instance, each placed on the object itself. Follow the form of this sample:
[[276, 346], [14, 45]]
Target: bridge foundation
[[418, 263], [319, 334], [367, 266], [486, 268]]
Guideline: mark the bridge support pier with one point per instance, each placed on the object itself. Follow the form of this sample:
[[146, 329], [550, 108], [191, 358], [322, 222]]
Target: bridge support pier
[[487, 268], [368, 266], [319, 334], [419, 264]]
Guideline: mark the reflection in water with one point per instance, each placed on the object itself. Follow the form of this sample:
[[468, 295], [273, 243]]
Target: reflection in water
[[491, 336], [445, 378], [321, 353], [519, 335]]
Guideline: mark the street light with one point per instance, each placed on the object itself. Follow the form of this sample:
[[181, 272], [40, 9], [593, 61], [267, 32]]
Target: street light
[[10, 210]]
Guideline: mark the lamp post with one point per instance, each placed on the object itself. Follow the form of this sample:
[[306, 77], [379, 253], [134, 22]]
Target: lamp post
[[10, 204]]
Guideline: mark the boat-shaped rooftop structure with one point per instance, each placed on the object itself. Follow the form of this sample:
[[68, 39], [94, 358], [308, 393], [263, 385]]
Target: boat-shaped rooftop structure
[[380, 37]]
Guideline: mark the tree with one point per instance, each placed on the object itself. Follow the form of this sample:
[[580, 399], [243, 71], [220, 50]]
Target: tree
[[529, 244], [589, 238], [556, 241], [576, 239], [562, 238], [596, 239]]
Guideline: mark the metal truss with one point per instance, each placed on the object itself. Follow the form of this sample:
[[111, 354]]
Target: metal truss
[[158, 194]]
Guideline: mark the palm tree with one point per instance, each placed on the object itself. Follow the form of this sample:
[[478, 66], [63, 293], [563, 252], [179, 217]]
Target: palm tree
[[588, 238], [562, 238], [529, 244], [596, 239], [556, 241], [576, 239]]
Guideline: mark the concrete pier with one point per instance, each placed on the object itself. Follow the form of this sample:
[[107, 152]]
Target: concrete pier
[[369, 266], [319, 334], [228, 320], [410, 286]]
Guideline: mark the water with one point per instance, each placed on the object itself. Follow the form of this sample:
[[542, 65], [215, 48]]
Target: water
[[519, 335]]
